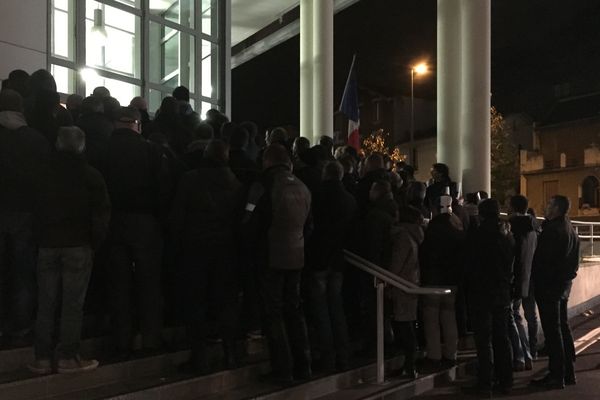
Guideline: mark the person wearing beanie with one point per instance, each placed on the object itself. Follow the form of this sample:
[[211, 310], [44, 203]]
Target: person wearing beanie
[[490, 270]]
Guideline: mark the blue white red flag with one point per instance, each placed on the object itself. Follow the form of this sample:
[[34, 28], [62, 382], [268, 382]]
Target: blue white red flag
[[349, 107]]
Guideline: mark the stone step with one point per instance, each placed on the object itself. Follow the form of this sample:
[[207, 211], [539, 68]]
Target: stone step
[[119, 377], [244, 383]]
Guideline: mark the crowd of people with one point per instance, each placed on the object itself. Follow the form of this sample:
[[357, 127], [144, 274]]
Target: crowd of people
[[177, 220]]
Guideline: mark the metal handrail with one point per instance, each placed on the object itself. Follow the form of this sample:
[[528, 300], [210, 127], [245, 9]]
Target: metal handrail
[[382, 277], [389, 277]]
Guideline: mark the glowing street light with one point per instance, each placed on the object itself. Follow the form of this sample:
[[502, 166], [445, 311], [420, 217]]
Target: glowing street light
[[418, 69]]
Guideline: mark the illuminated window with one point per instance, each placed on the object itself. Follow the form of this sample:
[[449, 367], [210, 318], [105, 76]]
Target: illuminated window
[[133, 50]]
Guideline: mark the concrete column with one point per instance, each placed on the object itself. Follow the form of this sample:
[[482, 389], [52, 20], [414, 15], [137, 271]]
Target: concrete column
[[323, 69], [475, 96], [225, 52], [306, 69], [449, 86]]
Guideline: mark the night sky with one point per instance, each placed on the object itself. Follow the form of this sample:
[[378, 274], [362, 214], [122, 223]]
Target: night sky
[[536, 45]]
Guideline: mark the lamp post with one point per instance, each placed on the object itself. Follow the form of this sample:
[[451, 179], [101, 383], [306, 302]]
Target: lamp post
[[418, 69]]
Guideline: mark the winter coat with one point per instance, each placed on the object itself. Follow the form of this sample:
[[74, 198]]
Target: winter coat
[[136, 171], [490, 261], [334, 217], [363, 187], [442, 251], [21, 151], [283, 212], [405, 239], [97, 128], [377, 228], [72, 205], [556, 258], [526, 236], [206, 210], [245, 170]]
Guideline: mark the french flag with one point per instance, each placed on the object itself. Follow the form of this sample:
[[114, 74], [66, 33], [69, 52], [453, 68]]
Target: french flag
[[349, 107]]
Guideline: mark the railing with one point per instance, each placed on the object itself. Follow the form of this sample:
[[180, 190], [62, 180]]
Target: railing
[[381, 278], [585, 231]]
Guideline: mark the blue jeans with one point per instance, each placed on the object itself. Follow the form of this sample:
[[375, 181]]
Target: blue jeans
[[518, 335], [17, 273], [63, 274], [327, 305]]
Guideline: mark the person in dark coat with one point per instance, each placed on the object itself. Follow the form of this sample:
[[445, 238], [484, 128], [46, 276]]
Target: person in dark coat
[[373, 171], [204, 216], [523, 341], [98, 128], [555, 265], [441, 184], [441, 258], [490, 270], [72, 214], [334, 216], [283, 214], [243, 167], [135, 177], [21, 151]]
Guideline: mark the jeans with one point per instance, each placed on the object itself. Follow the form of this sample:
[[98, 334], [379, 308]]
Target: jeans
[[530, 312], [209, 283], [135, 266], [519, 339], [63, 274], [552, 303], [285, 323], [327, 306], [17, 273], [494, 354], [439, 320]]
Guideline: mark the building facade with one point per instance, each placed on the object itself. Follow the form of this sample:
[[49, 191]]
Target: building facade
[[566, 157], [133, 47]]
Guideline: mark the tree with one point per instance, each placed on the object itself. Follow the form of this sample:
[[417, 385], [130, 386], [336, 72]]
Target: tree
[[504, 160], [376, 143]]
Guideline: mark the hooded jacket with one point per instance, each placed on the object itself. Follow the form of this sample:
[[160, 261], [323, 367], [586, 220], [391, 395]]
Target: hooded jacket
[[526, 237], [21, 151]]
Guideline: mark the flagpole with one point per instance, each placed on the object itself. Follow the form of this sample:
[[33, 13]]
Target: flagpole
[[348, 80]]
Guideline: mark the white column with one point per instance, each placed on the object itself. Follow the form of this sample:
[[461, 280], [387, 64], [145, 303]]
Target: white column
[[323, 69], [226, 21], [475, 96], [306, 69], [448, 86]]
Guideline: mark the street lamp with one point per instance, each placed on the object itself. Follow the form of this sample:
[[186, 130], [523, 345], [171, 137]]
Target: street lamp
[[418, 69]]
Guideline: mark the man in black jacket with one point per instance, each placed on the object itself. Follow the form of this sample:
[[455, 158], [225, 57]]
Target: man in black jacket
[[72, 213], [97, 127], [555, 266], [489, 268], [205, 213], [135, 174], [334, 215], [21, 149]]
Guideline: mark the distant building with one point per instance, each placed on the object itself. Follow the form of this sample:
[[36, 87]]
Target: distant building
[[566, 156]]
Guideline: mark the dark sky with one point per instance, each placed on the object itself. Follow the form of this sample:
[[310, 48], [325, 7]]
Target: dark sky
[[536, 44]]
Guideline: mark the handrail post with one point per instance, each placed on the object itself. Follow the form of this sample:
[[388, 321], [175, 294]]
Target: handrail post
[[591, 240], [380, 285]]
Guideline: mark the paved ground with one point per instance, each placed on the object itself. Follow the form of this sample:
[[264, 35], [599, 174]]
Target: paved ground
[[587, 335]]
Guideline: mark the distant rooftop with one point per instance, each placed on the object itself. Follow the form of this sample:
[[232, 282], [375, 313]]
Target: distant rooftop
[[573, 109]]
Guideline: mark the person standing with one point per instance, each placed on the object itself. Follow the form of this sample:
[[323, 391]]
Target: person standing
[[523, 341], [283, 212], [72, 212], [490, 260], [135, 177], [555, 265], [21, 150]]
